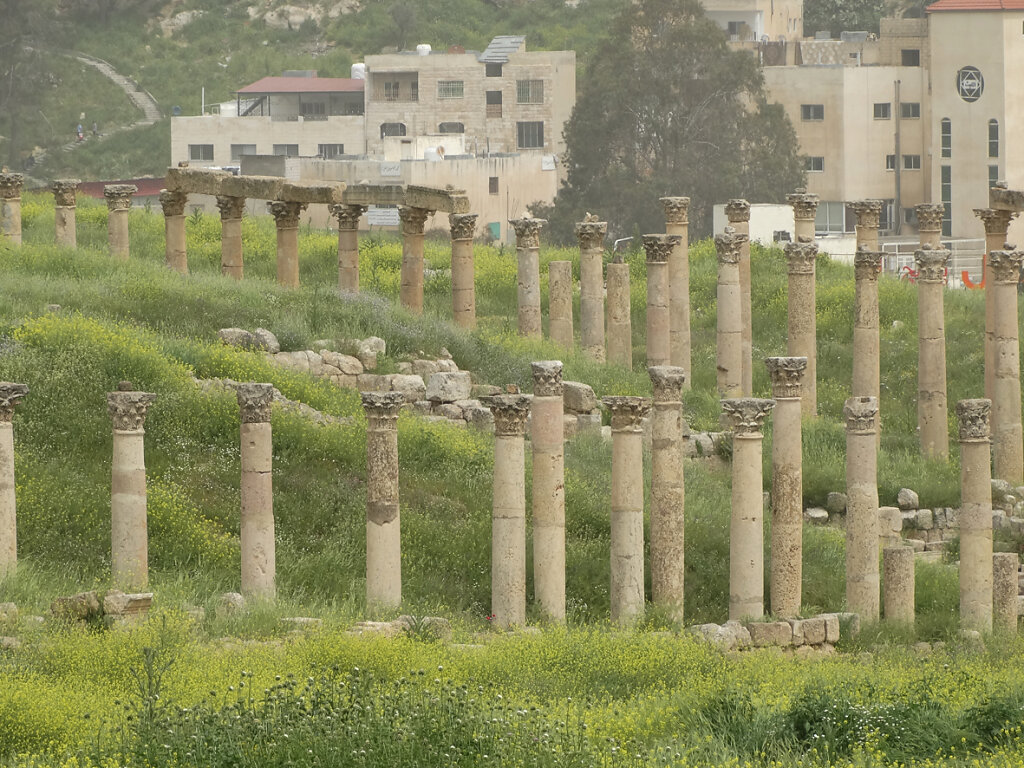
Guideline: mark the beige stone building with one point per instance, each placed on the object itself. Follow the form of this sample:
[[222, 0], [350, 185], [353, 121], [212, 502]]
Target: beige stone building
[[758, 20]]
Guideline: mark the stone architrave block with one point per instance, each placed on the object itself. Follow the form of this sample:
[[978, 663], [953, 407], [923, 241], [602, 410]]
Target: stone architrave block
[[196, 181], [374, 194], [814, 630], [409, 385], [449, 387], [1006, 199], [436, 199], [253, 187], [119, 604], [347, 364], [578, 397], [768, 633], [326, 194]]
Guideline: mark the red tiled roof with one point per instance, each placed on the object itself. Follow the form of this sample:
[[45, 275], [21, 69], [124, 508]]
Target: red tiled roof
[[304, 85], [976, 5]]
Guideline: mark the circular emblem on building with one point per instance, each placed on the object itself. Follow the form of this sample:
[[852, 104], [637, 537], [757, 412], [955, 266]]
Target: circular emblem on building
[[970, 84]]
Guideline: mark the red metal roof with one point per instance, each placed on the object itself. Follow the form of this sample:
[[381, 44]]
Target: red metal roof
[[304, 85], [976, 5]]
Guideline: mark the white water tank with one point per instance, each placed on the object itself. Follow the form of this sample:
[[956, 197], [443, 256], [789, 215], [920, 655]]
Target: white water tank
[[432, 154], [423, 49], [359, 71]]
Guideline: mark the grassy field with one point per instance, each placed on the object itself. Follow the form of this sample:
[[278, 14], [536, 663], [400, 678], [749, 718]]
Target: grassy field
[[81, 697]]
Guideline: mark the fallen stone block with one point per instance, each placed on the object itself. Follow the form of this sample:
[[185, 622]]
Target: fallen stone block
[[578, 397], [81, 607], [120, 605], [814, 630], [449, 387], [770, 633]]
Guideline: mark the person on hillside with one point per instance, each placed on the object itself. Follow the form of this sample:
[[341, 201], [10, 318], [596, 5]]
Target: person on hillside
[[95, 129], [80, 132]]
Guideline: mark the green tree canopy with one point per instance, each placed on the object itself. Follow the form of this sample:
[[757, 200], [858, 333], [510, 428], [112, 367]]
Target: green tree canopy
[[837, 16], [665, 107]]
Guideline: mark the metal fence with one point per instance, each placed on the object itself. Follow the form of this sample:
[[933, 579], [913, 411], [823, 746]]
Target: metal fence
[[966, 261]]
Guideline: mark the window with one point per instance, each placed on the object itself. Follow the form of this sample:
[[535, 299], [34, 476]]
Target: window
[[734, 28], [814, 164], [330, 151], [288, 150], [391, 90], [993, 138], [450, 89], [910, 110], [200, 152], [946, 132], [529, 91], [812, 112], [451, 128], [492, 70], [237, 150], [890, 162], [530, 135], [910, 57], [910, 216], [887, 217], [946, 185], [392, 129], [414, 90], [493, 103], [492, 185], [313, 109], [830, 217], [911, 162], [993, 175], [883, 110]]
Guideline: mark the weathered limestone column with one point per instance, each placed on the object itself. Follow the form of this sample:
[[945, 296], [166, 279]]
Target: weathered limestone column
[[119, 203], [560, 303], [802, 322], [677, 222], [10, 206], [861, 507], [929, 225], [738, 213], [410, 291], [975, 514], [383, 522], [667, 490], [547, 438], [869, 214], [348, 245], [805, 209], [1007, 447], [729, 356], [931, 353], [627, 534], [231, 259], [1004, 590], [658, 248], [867, 264], [528, 273], [258, 546], [898, 588], [997, 224], [508, 516], [10, 394], [590, 234], [746, 529], [463, 226], [65, 199], [129, 543], [286, 215], [620, 320], [786, 575], [175, 240]]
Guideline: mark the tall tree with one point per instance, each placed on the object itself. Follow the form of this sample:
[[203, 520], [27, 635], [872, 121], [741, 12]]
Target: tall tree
[[665, 107], [835, 16]]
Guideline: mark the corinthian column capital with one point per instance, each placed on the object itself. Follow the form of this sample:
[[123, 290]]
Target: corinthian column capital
[[528, 231], [172, 202], [285, 212], [996, 222], [805, 206], [676, 209], [10, 185], [931, 265], [627, 412], [10, 395], [859, 413], [728, 246], [510, 414], [382, 408], [348, 215], [737, 210], [667, 381], [800, 256], [973, 419], [119, 196], [747, 414], [1005, 265], [128, 408], [786, 374], [413, 219], [591, 233], [929, 216], [660, 247], [868, 212], [547, 378], [867, 263], [462, 225], [65, 192], [254, 402]]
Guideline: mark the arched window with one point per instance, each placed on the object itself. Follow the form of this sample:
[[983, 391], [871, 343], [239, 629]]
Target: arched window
[[993, 138], [451, 128], [392, 129], [946, 131]]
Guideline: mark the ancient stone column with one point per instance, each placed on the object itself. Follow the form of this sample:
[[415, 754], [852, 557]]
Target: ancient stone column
[[738, 213], [383, 522], [231, 259], [258, 546], [997, 224], [658, 248], [590, 234], [620, 320], [861, 507], [65, 199], [975, 514], [348, 245], [931, 353], [10, 206], [898, 589], [1007, 447], [1004, 592], [175, 240], [547, 438], [802, 323], [786, 574], [508, 515], [286, 216], [560, 303], [129, 542], [627, 534], [929, 224], [119, 203], [805, 209], [528, 273], [867, 264], [667, 489], [746, 528], [463, 226], [410, 291], [869, 214], [729, 337], [677, 222], [10, 394]]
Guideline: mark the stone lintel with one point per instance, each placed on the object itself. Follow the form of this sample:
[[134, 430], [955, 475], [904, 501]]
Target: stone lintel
[[195, 181], [10, 185], [728, 246], [859, 413], [446, 200], [628, 412], [747, 414], [253, 187], [547, 378], [10, 395], [1006, 199], [254, 401], [323, 194], [527, 231], [677, 209], [65, 192], [1005, 265], [119, 196], [462, 225], [929, 216], [590, 232], [973, 418], [374, 194], [800, 256], [510, 413], [660, 247], [786, 374], [931, 265], [382, 407], [173, 202], [667, 381], [128, 409], [737, 210]]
